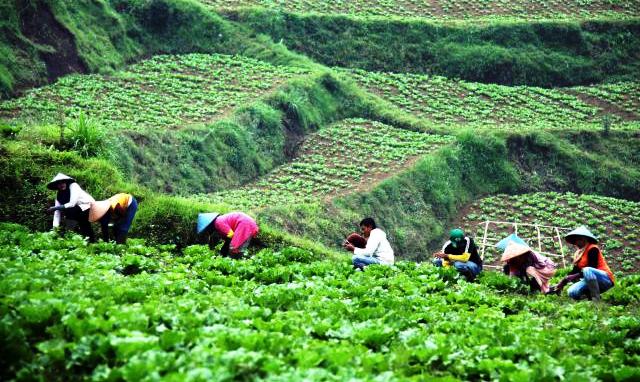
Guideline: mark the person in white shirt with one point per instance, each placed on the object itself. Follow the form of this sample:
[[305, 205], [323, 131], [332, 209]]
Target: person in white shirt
[[73, 202], [371, 248]]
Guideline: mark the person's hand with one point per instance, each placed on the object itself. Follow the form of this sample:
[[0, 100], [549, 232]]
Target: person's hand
[[348, 246], [55, 208], [439, 255]]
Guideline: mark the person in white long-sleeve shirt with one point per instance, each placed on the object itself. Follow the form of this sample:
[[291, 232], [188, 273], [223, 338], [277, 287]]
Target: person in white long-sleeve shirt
[[371, 248], [73, 202]]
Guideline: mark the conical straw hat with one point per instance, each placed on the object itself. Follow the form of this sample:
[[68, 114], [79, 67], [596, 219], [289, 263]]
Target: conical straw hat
[[205, 219], [98, 209], [581, 231], [513, 238], [59, 178], [514, 250]]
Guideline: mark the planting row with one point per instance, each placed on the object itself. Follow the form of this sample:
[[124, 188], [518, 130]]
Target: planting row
[[615, 221], [341, 158], [447, 9], [450, 101], [137, 313], [162, 92]]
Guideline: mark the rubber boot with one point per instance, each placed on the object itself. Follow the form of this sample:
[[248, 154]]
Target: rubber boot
[[121, 238], [594, 290]]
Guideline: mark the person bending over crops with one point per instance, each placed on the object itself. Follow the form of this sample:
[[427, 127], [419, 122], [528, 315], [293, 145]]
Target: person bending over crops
[[72, 202], [372, 247], [235, 228], [462, 252], [589, 266], [119, 209], [530, 266]]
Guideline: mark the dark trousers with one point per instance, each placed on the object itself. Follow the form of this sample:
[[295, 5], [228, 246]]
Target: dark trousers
[[82, 217]]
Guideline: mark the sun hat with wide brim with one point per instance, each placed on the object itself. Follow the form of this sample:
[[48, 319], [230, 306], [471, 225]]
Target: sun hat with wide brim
[[205, 219], [99, 209], [514, 250], [59, 178], [513, 238], [581, 231]]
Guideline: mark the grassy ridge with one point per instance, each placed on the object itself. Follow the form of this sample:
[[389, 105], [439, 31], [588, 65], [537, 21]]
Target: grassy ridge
[[106, 34], [512, 53], [446, 9]]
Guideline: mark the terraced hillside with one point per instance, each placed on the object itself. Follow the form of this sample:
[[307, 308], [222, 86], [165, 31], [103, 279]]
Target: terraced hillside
[[450, 101], [162, 92], [448, 9], [346, 157], [616, 221]]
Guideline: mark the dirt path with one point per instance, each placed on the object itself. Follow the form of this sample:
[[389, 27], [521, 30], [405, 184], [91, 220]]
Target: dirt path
[[605, 107]]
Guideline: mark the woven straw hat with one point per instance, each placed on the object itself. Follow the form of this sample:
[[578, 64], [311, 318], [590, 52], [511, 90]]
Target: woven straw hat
[[98, 209], [205, 219], [514, 250], [59, 178], [581, 231]]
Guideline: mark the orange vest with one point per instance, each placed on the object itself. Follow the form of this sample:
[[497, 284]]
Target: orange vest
[[583, 261]]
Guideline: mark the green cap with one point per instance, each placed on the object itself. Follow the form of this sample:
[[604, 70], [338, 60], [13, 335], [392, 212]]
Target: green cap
[[456, 236]]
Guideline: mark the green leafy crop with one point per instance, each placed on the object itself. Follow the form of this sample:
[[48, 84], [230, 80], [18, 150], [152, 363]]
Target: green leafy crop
[[67, 312]]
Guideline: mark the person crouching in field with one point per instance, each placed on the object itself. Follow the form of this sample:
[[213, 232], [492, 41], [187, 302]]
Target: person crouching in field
[[235, 228], [462, 251], [72, 202], [370, 248], [589, 265], [530, 266], [121, 209]]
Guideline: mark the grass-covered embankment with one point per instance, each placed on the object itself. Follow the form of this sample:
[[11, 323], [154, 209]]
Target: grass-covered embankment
[[43, 40], [538, 53]]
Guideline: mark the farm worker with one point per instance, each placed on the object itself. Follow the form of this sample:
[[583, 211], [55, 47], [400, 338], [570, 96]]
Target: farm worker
[[462, 251], [121, 209], [521, 261], [372, 247], [235, 228], [588, 265], [72, 202]]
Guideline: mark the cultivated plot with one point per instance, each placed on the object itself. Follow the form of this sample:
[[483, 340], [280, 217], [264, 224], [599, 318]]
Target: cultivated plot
[[105, 312], [615, 221], [348, 156], [163, 92], [449, 101], [447, 9]]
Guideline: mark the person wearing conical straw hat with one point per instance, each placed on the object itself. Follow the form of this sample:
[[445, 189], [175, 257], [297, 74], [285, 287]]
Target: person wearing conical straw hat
[[72, 202], [462, 252], [120, 209], [589, 265], [235, 228], [523, 262]]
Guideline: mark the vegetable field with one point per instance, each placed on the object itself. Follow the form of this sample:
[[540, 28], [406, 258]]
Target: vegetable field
[[616, 221], [162, 92], [347, 156], [448, 9], [450, 101], [140, 313]]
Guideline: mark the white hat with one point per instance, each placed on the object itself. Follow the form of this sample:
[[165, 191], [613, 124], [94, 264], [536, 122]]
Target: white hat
[[59, 178]]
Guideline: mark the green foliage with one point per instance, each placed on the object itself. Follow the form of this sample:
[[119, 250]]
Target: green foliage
[[337, 159], [415, 206], [70, 311], [543, 54], [445, 9], [86, 136], [159, 93]]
